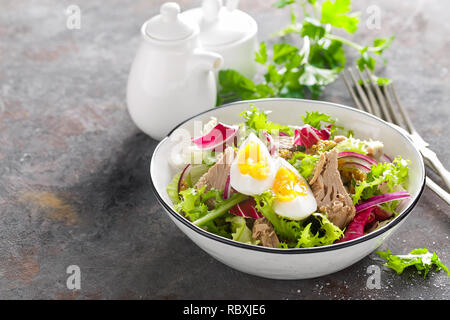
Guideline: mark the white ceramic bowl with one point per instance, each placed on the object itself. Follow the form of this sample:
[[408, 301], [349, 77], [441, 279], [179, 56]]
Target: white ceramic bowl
[[302, 263]]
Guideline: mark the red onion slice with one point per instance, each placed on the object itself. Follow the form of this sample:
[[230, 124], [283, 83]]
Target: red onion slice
[[183, 176], [348, 154], [227, 189], [385, 158], [355, 165], [246, 209], [272, 146], [382, 198], [218, 138]]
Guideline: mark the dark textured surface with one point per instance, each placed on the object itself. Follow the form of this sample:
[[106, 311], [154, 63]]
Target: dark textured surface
[[74, 184]]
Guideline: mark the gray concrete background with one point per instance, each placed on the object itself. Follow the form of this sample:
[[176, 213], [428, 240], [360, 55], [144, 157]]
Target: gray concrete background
[[74, 185]]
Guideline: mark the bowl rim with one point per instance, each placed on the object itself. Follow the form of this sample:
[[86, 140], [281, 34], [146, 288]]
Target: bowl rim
[[331, 247]]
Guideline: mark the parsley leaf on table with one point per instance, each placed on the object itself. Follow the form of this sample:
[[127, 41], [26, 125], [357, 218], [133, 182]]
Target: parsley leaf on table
[[422, 259], [293, 72]]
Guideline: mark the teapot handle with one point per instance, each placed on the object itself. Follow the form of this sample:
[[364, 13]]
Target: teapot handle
[[206, 60]]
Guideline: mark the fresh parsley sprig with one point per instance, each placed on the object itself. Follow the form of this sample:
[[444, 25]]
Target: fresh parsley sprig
[[295, 72]]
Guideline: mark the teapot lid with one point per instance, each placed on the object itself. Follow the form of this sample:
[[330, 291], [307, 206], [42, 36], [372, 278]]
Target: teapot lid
[[221, 25], [169, 25]]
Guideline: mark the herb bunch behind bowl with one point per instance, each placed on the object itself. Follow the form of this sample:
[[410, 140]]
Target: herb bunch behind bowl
[[293, 72]]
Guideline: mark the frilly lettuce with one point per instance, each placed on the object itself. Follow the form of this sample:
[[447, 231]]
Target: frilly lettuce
[[239, 230], [422, 259], [391, 175], [257, 120], [352, 145], [304, 163], [172, 189], [193, 206], [313, 231]]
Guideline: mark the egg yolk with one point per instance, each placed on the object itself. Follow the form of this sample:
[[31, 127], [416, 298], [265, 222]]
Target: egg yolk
[[287, 185], [251, 161]]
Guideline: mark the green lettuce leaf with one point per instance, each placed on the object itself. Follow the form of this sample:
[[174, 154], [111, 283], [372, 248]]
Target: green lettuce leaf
[[257, 120], [352, 145], [394, 175], [313, 231], [193, 202], [172, 189], [304, 163], [422, 259], [285, 229], [193, 207], [316, 118], [338, 15], [240, 231]]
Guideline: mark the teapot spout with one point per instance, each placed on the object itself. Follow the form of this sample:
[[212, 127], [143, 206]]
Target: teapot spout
[[206, 60]]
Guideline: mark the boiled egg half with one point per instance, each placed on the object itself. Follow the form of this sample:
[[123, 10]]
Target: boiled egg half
[[293, 196], [253, 169]]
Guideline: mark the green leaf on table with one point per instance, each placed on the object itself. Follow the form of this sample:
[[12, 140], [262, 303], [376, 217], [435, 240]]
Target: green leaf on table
[[338, 15], [312, 28], [381, 44], [365, 60], [234, 86], [283, 52], [283, 3], [333, 55], [312, 76], [261, 54], [422, 259], [272, 75]]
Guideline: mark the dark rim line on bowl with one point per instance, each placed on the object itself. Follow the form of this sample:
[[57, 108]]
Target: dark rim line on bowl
[[242, 245]]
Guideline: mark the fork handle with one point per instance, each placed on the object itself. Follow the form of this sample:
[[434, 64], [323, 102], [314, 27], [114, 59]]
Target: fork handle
[[437, 164], [438, 190]]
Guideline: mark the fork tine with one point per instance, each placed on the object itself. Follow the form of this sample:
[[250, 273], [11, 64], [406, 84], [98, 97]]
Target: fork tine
[[373, 101], [362, 95], [380, 97], [390, 105], [405, 117], [352, 92]]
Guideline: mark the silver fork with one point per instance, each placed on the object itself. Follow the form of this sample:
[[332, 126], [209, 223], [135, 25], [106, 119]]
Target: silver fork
[[379, 102]]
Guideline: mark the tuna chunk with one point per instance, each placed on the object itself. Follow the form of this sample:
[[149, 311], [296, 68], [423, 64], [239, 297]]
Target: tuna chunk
[[331, 196], [216, 176], [263, 231]]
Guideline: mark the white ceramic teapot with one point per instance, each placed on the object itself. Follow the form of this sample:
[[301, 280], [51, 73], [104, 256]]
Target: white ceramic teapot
[[171, 78], [228, 31]]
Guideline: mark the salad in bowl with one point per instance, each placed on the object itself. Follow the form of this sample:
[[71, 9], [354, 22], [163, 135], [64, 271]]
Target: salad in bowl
[[312, 183]]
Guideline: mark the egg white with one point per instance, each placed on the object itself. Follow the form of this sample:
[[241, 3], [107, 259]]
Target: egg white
[[300, 207], [244, 183]]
